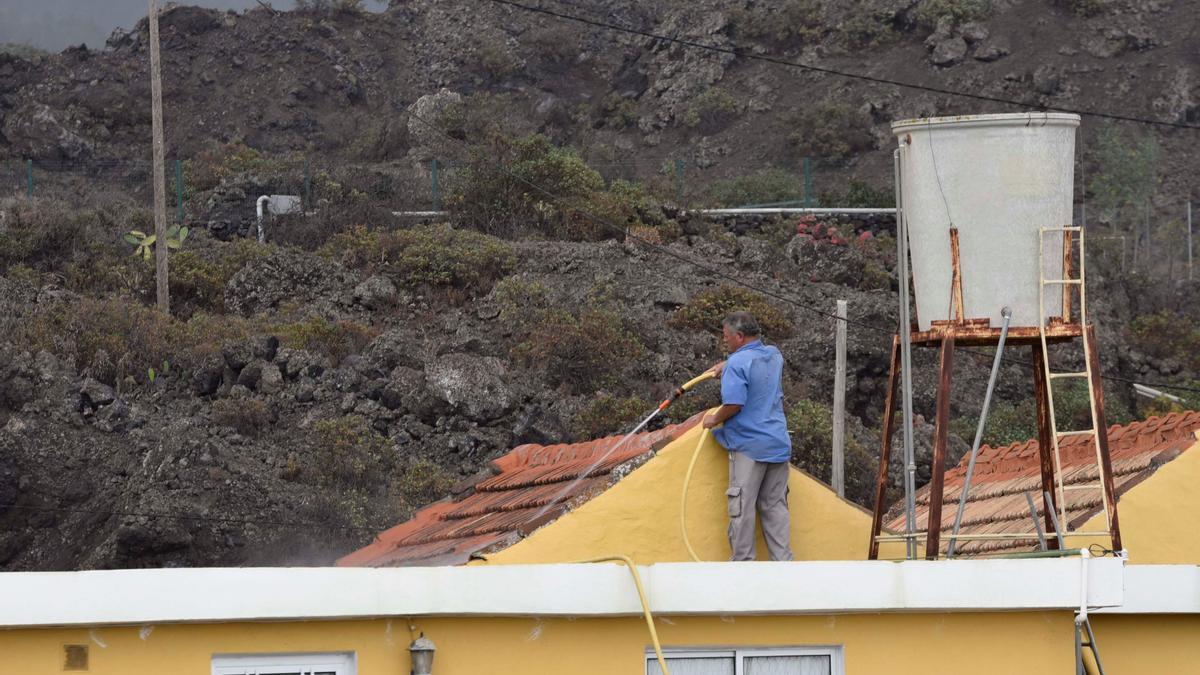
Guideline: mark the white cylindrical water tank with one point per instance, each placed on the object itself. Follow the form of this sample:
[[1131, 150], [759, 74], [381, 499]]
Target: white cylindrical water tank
[[997, 179]]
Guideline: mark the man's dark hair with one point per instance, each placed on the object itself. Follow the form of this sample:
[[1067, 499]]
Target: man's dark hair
[[742, 322]]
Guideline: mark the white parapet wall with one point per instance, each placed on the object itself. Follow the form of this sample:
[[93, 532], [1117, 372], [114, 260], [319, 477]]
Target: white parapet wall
[[124, 597]]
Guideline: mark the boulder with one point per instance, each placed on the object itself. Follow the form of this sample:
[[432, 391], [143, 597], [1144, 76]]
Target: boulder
[[270, 379], [249, 376], [473, 385], [377, 292], [94, 395], [291, 276], [406, 391], [991, 50], [206, 379], [949, 51]]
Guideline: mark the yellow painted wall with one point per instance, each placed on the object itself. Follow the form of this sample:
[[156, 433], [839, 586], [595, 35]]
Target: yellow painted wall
[[925, 644], [1160, 517], [1150, 644], [639, 516]]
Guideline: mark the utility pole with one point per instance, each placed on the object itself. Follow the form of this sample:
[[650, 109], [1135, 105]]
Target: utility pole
[[839, 404], [160, 180], [1189, 239]]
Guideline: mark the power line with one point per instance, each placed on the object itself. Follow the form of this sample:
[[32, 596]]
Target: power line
[[743, 53], [184, 516]]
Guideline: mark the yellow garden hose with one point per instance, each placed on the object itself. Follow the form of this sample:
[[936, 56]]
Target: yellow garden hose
[[637, 582], [687, 479]]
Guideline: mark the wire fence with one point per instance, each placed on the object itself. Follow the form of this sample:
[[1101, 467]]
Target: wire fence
[[418, 186], [1159, 241]]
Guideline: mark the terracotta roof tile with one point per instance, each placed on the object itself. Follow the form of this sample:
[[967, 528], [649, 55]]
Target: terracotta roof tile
[[508, 505], [996, 503]]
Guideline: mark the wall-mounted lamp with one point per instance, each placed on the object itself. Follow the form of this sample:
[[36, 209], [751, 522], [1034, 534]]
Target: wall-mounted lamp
[[422, 650]]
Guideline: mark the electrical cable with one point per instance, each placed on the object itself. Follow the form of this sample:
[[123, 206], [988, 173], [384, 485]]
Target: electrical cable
[[744, 53], [181, 516], [616, 229]]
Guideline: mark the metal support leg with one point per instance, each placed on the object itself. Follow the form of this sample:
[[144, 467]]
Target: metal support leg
[[1045, 444], [885, 449], [987, 403], [941, 432]]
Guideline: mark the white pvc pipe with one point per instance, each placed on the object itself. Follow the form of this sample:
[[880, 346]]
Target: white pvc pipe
[[707, 212], [258, 207], [1081, 617], [770, 211]]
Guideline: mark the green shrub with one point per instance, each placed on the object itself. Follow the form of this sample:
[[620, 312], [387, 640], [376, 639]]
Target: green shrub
[[1126, 172], [711, 111], [334, 339], [435, 256], [1008, 422], [23, 274], [496, 60], [206, 171], [811, 427], [623, 207], [364, 482], [501, 199], [21, 50], [330, 6], [249, 417], [1163, 405], [766, 186], [422, 482], [606, 414], [583, 352], [1167, 335], [699, 399], [860, 195], [957, 11], [707, 309], [198, 278], [522, 301], [867, 27], [832, 131], [1089, 8], [350, 454], [118, 337], [780, 22], [618, 112], [49, 235]]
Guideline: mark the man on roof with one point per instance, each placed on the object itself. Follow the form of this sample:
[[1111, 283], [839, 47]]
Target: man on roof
[[750, 425]]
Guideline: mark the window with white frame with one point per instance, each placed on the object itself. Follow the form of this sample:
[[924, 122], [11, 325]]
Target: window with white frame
[[750, 661], [284, 664]]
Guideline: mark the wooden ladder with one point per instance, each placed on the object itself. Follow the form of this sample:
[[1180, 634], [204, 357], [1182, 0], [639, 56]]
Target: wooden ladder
[[1088, 374]]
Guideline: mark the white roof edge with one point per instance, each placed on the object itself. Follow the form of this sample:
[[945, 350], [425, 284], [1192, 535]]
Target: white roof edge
[[147, 596], [1160, 589]]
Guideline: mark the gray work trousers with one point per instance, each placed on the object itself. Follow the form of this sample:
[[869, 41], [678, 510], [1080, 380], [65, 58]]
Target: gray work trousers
[[762, 487]]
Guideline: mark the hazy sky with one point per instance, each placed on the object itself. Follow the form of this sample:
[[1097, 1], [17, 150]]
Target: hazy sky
[[55, 24]]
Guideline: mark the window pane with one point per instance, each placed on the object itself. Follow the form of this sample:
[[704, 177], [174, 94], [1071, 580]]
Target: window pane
[[705, 666], [785, 665]]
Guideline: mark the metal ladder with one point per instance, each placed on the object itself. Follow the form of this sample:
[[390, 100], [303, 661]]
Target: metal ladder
[[1081, 627], [1066, 282]]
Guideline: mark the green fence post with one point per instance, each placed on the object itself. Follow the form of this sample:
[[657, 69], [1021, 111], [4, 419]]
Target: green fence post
[[807, 183], [307, 185], [179, 190], [679, 182], [437, 192], [29, 178]]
